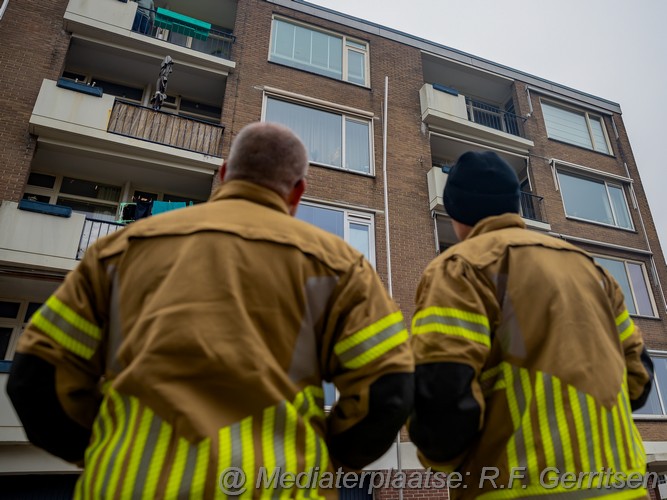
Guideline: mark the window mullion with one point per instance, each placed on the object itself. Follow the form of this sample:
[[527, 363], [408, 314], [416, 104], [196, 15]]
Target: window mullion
[[590, 131], [343, 158]]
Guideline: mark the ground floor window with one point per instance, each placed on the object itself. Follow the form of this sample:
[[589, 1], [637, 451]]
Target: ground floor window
[[657, 400]]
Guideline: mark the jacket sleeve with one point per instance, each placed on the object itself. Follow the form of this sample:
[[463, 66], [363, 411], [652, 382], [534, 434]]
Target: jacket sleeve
[[59, 364], [637, 361], [451, 339], [368, 357]]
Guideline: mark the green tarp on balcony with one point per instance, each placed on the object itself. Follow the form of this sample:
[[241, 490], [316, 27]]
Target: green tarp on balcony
[[178, 23]]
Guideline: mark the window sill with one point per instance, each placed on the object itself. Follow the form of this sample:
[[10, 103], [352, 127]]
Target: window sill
[[577, 219], [645, 418], [344, 170]]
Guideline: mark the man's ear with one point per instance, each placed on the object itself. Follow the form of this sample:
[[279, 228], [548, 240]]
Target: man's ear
[[223, 171], [294, 196]]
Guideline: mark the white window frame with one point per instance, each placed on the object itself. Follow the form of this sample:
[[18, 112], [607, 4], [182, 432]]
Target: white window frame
[[597, 180], [647, 283], [352, 216], [656, 387], [587, 117], [17, 324], [354, 45], [54, 192], [345, 113]]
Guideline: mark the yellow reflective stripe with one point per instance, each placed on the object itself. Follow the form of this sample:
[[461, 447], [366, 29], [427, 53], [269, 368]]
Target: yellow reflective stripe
[[61, 337], [372, 342], [456, 322], [268, 450], [177, 469], [116, 424], [224, 456], [512, 460], [291, 419], [624, 325], [641, 462], [201, 471], [491, 372], [563, 427], [136, 452], [609, 454], [74, 319], [595, 431], [248, 460], [96, 448], [531, 451], [132, 423], [627, 423], [155, 467], [543, 420], [620, 442], [579, 427]]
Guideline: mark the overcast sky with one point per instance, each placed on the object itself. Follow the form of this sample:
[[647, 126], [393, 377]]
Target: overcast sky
[[615, 49]]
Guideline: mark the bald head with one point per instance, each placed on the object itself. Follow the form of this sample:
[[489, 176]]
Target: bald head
[[267, 154]]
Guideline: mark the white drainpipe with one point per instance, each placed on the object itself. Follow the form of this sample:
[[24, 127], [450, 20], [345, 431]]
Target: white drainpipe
[[3, 8]]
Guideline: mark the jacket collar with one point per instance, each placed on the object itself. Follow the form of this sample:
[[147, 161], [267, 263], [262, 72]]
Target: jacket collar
[[251, 192], [495, 223]]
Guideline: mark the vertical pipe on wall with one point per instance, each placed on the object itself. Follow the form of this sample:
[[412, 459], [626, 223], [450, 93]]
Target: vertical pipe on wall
[[3, 8]]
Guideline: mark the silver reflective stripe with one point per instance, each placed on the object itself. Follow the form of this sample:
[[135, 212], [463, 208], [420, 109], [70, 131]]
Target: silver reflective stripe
[[368, 344], [279, 444], [115, 336], [629, 433], [586, 417], [146, 456], [188, 472], [452, 321], [509, 332], [57, 320], [611, 431], [237, 446], [317, 292], [553, 423], [624, 326]]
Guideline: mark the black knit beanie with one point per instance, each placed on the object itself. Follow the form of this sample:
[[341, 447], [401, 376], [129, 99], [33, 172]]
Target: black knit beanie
[[480, 185]]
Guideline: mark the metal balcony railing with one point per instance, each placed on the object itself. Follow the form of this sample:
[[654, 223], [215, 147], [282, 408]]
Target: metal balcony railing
[[494, 117], [93, 229], [216, 43], [531, 207], [139, 122]]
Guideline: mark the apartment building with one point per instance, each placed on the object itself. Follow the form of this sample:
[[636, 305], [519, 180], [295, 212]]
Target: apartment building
[[382, 113]]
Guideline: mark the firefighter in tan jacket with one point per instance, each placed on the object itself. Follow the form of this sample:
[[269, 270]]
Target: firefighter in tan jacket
[[189, 349], [528, 363]]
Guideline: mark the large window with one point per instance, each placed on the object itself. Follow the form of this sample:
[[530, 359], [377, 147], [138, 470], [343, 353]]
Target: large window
[[97, 200], [594, 200], [632, 278], [321, 52], [14, 316], [576, 127], [657, 399], [354, 227], [331, 138]]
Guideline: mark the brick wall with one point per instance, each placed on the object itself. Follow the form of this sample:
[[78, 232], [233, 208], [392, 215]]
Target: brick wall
[[33, 47], [408, 152]]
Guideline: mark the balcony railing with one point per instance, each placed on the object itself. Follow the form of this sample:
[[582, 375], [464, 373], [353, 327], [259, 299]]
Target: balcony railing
[[531, 207], [494, 117], [93, 229], [207, 41], [146, 124]]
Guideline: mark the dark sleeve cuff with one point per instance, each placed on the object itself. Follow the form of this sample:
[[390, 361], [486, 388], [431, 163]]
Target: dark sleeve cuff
[[32, 390], [636, 404]]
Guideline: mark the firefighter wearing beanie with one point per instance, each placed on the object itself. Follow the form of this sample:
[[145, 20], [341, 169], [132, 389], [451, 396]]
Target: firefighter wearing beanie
[[528, 364]]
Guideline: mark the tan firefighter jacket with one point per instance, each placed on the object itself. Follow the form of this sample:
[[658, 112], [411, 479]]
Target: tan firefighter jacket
[[556, 359], [198, 340]]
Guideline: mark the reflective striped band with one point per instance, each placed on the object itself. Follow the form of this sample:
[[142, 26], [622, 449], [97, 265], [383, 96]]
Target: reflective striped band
[[454, 322], [372, 342], [625, 325], [70, 330]]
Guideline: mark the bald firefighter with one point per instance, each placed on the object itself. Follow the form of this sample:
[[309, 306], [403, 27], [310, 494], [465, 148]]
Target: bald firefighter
[[193, 345], [528, 363]]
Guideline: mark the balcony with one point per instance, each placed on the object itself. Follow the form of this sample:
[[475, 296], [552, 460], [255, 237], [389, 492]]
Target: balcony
[[94, 229], [123, 133], [447, 112], [111, 23], [146, 124]]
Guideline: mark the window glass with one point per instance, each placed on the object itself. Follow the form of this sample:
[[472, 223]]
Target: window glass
[[357, 147], [30, 310], [329, 393], [617, 269], [598, 135], [620, 207], [9, 309], [652, 406], [324, 218], [585, 199], [101, 212], [41, 180], [566, 126], [314, 50], [5, 336], [119, 90], [36, 197], [89, 189], [644, 304], [360, 238]]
